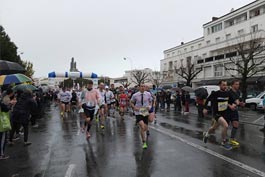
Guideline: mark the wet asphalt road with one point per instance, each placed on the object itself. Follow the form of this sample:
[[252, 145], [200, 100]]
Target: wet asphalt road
[[175, 149]]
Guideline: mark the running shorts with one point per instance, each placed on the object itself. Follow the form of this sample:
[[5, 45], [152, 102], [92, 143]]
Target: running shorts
[[142, 118]]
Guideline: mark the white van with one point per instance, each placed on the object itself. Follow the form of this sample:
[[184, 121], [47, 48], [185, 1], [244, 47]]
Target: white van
[[210, 88]]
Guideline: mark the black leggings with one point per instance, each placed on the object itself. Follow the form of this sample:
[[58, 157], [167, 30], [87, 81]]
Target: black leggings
[[16, 127]]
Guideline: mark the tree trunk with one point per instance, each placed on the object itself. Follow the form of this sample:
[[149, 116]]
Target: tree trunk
[[188, 83]]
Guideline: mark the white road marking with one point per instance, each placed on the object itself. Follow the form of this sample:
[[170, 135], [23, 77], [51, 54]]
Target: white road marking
[[262, 117], [213, 153], [70, 170]]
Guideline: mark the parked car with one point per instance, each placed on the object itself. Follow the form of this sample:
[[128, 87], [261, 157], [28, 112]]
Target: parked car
[[260, 106], [254, 102]]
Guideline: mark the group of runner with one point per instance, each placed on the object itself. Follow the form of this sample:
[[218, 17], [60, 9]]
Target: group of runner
[[224, 104], [102, 102]]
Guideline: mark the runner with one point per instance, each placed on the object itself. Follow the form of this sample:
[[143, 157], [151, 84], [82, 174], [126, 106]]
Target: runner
[[110, 100], [219, 103], [65, 98], [103, 106], [123, 102], [141, 102], [115, 93], [74, 101], [233, 115], [90, 100]]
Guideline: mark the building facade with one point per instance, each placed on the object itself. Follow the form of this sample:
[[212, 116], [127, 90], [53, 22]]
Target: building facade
[[212, 51], [129, 78]]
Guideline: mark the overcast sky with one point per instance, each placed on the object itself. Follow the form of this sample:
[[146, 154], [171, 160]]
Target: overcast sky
[[100, 33]]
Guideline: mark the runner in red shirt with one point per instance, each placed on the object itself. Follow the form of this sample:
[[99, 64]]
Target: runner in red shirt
[[123, 102]]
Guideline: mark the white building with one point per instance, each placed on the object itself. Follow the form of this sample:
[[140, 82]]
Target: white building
[[213, 50], [130, 79]]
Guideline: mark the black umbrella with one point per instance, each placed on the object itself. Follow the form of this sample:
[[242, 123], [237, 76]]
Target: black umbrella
[[7, 67], [201, 93]]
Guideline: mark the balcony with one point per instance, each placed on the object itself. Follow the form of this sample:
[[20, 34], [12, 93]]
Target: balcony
[[209, 59]]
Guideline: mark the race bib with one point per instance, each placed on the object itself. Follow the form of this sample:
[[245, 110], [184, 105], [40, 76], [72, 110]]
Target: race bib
[[144, 112], [222, 106], [90, 104]]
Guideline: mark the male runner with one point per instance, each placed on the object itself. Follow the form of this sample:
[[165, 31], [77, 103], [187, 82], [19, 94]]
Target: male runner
[[90, 100], [233, 115], [141, 103], [219, 103], [109, 100], [102, 106], [65, 98]]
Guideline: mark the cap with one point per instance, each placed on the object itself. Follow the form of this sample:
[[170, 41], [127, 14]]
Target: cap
[[107, 87]]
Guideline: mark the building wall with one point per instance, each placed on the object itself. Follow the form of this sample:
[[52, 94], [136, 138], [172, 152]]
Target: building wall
[[218, 38]]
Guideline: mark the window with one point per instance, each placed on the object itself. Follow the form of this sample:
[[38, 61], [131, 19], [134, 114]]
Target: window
[[218, 70], [192, 47], [199, 45], [254, 28], [204, 55], [208, 42], [170, 67], [218, 39], [228, 36], [232, 54], [219, 57], [240, 32], [217, 28], [173, 53], [185, 50], [200, 61], [168, 55], [209, 59]]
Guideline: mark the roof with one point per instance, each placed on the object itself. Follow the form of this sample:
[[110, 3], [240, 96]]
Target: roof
[[232, 12]]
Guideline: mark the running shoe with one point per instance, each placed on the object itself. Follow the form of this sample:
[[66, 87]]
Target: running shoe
[[102, 127], [97, 119], [27, 143], [4, 157], [226, 145], [205, 137], [35, 126], [61, 113], [145, 145], [233, 142]]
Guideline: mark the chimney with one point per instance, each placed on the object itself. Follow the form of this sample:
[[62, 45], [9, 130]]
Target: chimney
[[214, 18], [182, 43]]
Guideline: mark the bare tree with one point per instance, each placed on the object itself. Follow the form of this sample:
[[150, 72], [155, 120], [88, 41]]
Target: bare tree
[[157, 78], [140, 77], [188, 73], [125, 84], [247, 61]]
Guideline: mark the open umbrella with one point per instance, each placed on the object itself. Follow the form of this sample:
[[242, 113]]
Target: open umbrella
[[25, 87], [14, 79], [7, 67], [187, 89], [176, 89], [167, 87], [201, 93]]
